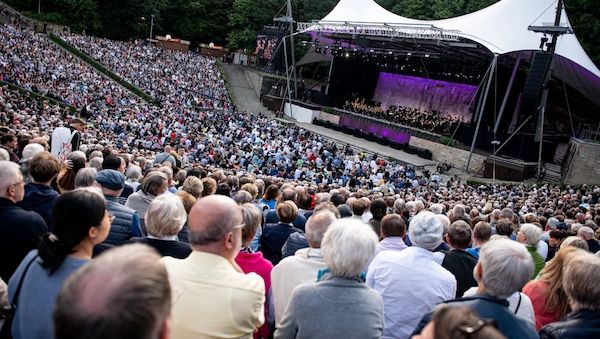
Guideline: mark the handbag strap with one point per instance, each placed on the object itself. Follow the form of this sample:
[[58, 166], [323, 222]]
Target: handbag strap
[[519, 304], [21, 279]]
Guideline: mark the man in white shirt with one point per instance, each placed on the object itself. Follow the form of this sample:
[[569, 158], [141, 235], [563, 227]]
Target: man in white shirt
[[303, 267], [410, 281]]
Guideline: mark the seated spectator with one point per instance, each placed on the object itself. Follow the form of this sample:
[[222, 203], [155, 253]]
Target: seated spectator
[[39, 196], [275, 235], [357, 311], [379, 211], [165, 218], [66, 177], [133, 175], [392, 273], [574, 242], [481, 234], [556, 238], [193, 186], [9, 143], [303, 267], [550, 302], [153, 185], [126, 223], [86, 177], [580, 283], [504, 267], [458, 322], [79, 221], [392, 234], [250, 261], [288, 194], [209, 284], [124, 293], [458, 261], [20, 230], [530, 235], [117, 163], [587, 234]]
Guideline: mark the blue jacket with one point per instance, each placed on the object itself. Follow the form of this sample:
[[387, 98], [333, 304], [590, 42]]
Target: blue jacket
[[272, 240], [488, 307], [40, 199], [273, 218], [126, 224]]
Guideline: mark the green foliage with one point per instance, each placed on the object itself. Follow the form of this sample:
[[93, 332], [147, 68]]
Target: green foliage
[[247, 18], [101, 68], [327, 109]]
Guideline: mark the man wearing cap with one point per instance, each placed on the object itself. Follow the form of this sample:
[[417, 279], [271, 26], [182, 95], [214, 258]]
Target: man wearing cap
[[126, 224], [410, 281]]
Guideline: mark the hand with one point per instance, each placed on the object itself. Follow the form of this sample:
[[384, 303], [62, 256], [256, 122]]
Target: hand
[[68, 164]]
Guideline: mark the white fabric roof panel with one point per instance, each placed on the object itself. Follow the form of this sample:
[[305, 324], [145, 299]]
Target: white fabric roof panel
[[502, 28]]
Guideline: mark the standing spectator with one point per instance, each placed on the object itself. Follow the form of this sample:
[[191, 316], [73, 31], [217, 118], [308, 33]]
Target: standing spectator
[[587, 234], [303, 267], [126, 223], [10, 143], [165, 218], [79, 221], [580, 282], [275, 235], [482, 232], [393, 232], [410, 281], [547, 294], [504, 267], [39, 196], [378, 210], [357, 311], [165, 157], [210, 285], [153, 185], [529, 235], [124, 293], [251, 261], [20, 230], [77, 126], [458, 261]]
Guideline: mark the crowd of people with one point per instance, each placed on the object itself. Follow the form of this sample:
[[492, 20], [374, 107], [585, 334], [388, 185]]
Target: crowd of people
[[188, 219], [432, 121]]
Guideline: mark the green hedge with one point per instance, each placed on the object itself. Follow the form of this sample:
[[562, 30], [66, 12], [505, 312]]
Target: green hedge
[[226, 80], [38, 96], [327, 109], [102, 68]]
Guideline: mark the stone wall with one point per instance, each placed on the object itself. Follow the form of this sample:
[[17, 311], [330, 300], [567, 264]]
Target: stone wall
[[255, 80], [582, 163], [458, 157]]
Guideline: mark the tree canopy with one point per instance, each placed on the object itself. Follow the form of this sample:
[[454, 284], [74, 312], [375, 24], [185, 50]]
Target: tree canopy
[[235, 23]]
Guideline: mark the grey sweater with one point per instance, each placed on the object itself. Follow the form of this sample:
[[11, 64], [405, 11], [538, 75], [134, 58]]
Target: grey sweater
[[333, 308]]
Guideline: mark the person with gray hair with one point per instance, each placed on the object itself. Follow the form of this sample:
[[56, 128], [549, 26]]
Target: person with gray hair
[[165, 218], [20, 230], [580, 282], [437, 208], [399, 206], [357, 311], [504, 267], [86, 177], [133, 176], [96, 162], [529, 235], [209, 283], [393, 273], [123, 293], [303, 266], [587, 234]]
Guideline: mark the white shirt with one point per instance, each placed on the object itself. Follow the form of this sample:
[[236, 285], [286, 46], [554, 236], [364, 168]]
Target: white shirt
[[411, 283], [542, 249]]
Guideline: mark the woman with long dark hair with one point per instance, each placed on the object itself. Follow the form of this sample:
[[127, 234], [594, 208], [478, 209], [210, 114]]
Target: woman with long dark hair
[[79, 221]]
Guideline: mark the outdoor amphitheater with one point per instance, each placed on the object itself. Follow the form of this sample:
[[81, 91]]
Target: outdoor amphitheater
[[366, 173]]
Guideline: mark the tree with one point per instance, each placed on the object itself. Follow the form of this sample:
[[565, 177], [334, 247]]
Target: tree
[[247, 18], [121, 19]]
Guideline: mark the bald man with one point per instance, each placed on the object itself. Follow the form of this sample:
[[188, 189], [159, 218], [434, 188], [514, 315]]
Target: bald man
[[212, 297]]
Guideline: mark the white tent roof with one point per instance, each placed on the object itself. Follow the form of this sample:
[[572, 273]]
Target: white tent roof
[[502, 28]]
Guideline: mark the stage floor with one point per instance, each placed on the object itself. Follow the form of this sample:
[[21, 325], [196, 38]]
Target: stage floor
[[369, 146]]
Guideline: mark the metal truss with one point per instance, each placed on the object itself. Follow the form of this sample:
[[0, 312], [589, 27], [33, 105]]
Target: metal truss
[[416, 31]]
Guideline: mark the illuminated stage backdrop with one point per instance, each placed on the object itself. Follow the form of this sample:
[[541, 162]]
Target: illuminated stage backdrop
[[448, 98]]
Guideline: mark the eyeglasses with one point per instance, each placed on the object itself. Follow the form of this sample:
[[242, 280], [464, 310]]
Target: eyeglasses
[[469, 330], [240, 226], [18, 183]]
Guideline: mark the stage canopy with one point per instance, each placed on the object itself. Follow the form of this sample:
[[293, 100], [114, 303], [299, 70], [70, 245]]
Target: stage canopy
[[502, 28]]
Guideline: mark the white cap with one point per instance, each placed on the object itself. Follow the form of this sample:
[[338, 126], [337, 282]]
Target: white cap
[[426, 230]]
